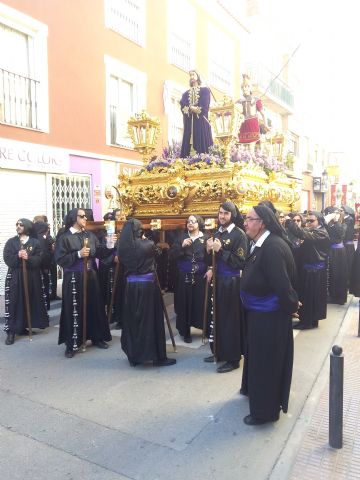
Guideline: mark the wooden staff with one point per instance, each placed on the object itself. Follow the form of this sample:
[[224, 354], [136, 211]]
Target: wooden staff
[[26, 292], [112, 299], [205, 312], [85, 272], [214, 300], [166, 314]]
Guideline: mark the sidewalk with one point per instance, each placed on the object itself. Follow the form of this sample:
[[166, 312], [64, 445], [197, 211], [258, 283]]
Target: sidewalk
[[314, 458]]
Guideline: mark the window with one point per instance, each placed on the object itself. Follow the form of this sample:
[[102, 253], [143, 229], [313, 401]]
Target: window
[[172, 95], [23, 71], [182, 30], [221, 61], [125, 93], [294, 144], [126, 17]]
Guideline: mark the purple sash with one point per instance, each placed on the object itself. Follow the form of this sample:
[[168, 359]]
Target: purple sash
[[224, 270], [337, 245], [269, 303], [145, 277], [186, 266], [314, 266], [78, 266]]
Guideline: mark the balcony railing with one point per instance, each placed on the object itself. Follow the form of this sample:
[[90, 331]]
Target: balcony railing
[[18, 100], [265, 80]]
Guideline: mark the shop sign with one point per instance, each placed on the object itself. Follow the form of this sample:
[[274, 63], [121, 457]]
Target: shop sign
[[127, 169], [33, 157]]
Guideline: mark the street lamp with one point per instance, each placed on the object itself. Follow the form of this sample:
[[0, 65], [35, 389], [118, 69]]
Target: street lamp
[[226, 119], [144, 131]]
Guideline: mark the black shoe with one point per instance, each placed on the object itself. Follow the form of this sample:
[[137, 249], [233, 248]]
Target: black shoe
[[301, 326], [250, 420], [101, 344], [10, 339], [133, 364], [69, 353], [187, 339], [209, 359], [165, 363], [228, 367]]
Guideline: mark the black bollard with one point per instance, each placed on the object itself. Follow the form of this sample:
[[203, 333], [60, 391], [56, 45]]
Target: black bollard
[[336, 397]]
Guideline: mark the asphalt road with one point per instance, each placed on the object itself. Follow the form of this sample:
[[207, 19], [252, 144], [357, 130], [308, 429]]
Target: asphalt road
[[95, 417]]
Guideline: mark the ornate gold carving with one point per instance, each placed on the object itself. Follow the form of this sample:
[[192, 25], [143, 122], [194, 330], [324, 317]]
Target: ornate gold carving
[[183, 189]]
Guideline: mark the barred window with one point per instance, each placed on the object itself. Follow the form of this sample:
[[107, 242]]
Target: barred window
[[126, 17], [23, 71], [182, 32], [221, 60]]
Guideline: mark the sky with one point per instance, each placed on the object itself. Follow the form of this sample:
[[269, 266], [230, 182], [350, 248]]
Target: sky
[[327, 63]]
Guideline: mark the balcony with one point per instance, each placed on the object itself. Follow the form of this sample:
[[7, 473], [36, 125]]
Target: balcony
[[18, 100], [277, 93]]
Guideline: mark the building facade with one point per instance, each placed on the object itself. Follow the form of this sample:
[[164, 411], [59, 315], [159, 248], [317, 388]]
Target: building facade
[[71, 75]]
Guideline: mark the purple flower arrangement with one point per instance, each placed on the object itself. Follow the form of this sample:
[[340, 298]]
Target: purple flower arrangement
[[239, 153]]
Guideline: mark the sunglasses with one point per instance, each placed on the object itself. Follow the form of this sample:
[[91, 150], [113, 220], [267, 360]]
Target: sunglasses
[[82, 216], [310, 221], [19, 224], [192, 221], [297, 220], [281, 216]]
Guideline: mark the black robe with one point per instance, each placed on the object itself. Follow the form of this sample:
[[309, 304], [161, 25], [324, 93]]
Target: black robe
[[338, 267], [190, 284], [229, 326], [354, 286], [45, 266], [71, 319], [312, 258], [15, 308], [349, 241], [269, 271], [143, 332]]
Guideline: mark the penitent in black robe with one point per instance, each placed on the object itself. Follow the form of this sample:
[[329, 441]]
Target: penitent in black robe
[[190, 284], [71, 319], [143, 332], [312, 258], [15, 307], [338, 266], [269, 271], [229, 325]]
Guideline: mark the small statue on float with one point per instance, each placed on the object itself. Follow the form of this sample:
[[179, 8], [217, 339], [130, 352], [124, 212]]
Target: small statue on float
[[251, 129]]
